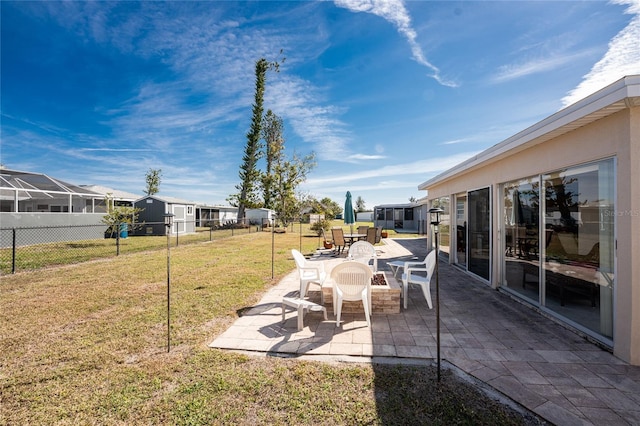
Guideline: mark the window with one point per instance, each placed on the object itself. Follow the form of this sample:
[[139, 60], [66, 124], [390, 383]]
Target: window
[[558, 241], [408, 214]]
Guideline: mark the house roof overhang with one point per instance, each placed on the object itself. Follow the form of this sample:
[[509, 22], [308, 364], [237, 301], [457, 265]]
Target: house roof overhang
[[623, 94]]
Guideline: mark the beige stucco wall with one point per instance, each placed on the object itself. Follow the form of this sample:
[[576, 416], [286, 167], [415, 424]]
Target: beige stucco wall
[[629, 248], [618, 136]]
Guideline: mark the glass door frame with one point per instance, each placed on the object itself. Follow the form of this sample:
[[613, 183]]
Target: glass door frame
[[454, 259], [454, 204]]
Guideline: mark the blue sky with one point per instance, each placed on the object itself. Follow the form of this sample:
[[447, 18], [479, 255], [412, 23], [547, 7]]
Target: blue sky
[[387, 94]]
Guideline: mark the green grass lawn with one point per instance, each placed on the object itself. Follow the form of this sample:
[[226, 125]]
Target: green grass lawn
[[86, 344]]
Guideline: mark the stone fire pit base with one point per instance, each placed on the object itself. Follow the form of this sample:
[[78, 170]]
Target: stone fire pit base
[[385, 298]]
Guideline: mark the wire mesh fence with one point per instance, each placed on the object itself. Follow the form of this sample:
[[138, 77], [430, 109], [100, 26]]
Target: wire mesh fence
[[32, 248]]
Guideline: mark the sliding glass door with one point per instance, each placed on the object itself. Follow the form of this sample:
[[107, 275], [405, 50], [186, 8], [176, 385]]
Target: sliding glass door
[[579, 263], [479, 232], [558, 241], [473, 231], [521, 229], [461, 230]]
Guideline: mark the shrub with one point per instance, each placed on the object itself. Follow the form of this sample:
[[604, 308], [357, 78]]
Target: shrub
[[320, 225]]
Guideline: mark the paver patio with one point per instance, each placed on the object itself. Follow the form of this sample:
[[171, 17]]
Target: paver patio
[[533, 360]]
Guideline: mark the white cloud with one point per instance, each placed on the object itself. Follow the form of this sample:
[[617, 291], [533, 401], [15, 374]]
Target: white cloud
[[511, 72], [395, 12], [422, 168], [366, 157], [622, 58]]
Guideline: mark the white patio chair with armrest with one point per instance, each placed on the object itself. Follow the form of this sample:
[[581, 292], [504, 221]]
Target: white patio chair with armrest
[[399, 265], [310, 273], [364, 252], [410, 277], [351, 282]]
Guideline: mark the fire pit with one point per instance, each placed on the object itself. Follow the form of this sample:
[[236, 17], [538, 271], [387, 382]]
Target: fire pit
[[385, 296], [378, 279]]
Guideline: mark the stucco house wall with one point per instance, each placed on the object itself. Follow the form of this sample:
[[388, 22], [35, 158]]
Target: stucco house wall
[[570, 138]]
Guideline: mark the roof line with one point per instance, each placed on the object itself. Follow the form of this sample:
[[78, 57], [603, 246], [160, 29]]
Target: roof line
[[619, 95]]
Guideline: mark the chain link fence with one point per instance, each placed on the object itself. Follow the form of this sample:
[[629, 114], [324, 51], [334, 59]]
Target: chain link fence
[[31, 248]]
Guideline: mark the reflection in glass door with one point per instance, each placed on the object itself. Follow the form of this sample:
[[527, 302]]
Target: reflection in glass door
[[559, 243], [479, 232], [579, 263], [521, 223], [461, 230]]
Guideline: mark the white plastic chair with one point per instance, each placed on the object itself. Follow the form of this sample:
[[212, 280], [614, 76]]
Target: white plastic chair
[[352, 282], [364, 252], [310, 273], [409, 276]]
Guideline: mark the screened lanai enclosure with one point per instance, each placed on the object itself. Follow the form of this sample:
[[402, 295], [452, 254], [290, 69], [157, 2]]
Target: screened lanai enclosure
[[26, 192]]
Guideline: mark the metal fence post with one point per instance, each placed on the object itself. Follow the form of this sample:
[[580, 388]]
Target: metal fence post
[[118, 239], [13, 255]]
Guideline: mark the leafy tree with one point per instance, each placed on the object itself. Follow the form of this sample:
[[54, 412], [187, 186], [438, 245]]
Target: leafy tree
[[153, 181], [287, 175], [331, 208], [326, 206], [272, 129], [320, 226], [118, 214], [360, 207]]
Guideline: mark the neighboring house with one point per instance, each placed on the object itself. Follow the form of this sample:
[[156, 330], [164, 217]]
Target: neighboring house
[[119, 198], [364, 216], [27, 192], [259, 216], [215, 215], [408, 217], [551, 216], [30, 201], [153, 209]]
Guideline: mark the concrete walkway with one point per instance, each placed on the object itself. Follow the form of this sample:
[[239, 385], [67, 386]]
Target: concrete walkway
[[533, 360]]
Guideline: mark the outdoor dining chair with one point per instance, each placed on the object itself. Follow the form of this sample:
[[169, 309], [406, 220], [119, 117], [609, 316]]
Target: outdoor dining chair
[[351, 282], [363, 230], [410, 277], [364, 252], [371, 236], [338, 239], [310, 273]]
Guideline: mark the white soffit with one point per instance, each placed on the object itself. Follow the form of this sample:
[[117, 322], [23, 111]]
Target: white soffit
[[624, 93]]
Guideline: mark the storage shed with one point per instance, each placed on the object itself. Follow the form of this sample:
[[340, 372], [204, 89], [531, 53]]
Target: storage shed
[[154, 208], [259, 216]]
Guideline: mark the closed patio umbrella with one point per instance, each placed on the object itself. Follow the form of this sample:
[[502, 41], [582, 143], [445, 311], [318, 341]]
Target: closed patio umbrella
[[349, 218]]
